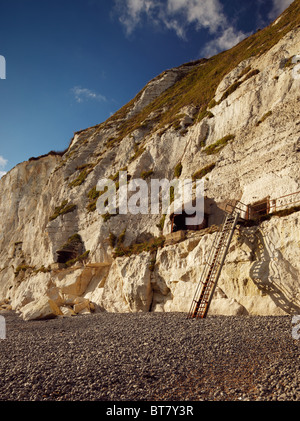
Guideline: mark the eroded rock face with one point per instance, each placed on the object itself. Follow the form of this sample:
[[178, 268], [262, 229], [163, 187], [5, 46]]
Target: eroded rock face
[[43, 308], [46, 201]]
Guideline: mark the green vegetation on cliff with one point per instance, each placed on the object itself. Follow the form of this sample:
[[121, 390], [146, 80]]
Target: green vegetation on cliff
[[198, 86]]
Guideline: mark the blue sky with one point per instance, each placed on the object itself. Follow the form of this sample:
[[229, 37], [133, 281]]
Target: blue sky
[[70, 64]]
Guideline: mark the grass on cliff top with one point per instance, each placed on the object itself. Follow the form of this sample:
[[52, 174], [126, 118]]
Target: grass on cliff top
[[199, 85], [195, 88]]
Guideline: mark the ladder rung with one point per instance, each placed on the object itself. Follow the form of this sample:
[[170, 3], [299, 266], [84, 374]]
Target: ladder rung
[[214, 263]]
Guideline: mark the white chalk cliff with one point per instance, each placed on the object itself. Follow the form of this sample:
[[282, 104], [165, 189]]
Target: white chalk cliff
[[49, 217]]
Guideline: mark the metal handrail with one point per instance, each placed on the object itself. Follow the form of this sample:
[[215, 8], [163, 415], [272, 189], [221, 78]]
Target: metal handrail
[[272, 207]]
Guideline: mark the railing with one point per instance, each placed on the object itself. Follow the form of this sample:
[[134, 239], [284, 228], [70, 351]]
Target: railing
[[265, 207], [284, 201]]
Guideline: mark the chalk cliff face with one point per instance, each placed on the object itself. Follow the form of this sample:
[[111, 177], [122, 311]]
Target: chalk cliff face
[[241, 134]]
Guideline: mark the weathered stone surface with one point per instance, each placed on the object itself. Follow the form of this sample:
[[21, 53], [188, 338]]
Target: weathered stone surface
[[67, 311], [128, 285], [175, 237], [43, 308], [153, 89], [74, 282], [261, 272], [32, 287], [81, 305], [227, 307]]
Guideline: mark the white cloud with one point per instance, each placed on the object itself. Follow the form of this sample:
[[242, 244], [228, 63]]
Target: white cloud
[[3, 162], [173, 14], [228, 39], [131, 12], [82, 94], [203, 13], [278, 7], [179, 15]]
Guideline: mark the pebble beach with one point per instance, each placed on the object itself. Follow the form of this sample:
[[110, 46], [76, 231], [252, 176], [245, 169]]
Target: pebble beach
[[149, 357]]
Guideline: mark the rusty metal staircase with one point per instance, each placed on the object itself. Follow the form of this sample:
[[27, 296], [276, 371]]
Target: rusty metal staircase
[[213, 267]]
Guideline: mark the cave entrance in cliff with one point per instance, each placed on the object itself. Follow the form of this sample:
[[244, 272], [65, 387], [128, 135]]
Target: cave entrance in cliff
[[71, 249], [260, 208], [179, 222], [64, 256]]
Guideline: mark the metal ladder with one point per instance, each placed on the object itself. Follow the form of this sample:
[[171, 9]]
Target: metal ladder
[[213, 267]]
